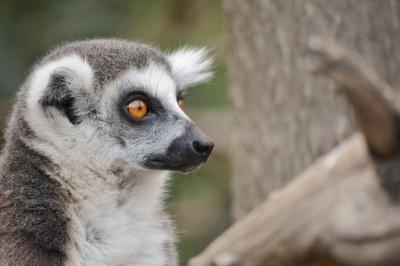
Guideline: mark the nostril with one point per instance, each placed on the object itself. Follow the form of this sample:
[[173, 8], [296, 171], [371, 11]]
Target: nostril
[[203, 148]]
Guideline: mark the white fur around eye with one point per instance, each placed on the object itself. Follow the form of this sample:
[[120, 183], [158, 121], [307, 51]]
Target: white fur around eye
[[190, 66]]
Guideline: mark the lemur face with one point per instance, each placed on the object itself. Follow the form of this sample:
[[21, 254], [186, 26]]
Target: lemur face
[[102, 101]]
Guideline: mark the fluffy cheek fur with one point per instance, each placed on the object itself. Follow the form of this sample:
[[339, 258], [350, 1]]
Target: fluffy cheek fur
[[98, 147]]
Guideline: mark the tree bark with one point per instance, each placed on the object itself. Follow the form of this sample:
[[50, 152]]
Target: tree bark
[[345, 208], [284, 119]]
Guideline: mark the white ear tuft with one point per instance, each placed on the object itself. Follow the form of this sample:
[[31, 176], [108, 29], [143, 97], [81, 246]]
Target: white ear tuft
[[190, 66]]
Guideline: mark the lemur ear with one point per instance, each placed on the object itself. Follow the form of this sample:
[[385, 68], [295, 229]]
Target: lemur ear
[[59, 93], [56, 83], [190, 66]]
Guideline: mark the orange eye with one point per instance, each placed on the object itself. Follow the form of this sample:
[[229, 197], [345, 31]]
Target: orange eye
[[181, 104], [137, 109]]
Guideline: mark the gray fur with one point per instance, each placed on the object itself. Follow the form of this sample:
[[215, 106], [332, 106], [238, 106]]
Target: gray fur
[[33, 224], [75, 144], [110, 57]]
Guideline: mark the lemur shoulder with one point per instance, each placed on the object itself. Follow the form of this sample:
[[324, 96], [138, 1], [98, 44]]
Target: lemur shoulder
[[95, 129]]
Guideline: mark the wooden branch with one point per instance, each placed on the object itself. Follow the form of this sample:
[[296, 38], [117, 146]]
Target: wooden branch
[[375, 114], [336, 212]]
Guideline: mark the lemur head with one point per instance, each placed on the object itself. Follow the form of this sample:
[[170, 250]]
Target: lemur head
[[107, 100]]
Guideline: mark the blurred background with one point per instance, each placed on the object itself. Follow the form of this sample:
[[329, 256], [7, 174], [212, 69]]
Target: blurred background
[[199, 202], [279, 120]]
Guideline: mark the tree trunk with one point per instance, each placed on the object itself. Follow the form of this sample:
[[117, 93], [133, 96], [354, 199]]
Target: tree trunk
[[344, 209], [284, 119]]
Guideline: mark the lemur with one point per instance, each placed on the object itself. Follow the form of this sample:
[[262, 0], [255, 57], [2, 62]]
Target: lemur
[[94, 132]]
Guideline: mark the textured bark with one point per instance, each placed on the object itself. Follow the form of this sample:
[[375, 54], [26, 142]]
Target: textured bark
[[284, 118], [345, 208]]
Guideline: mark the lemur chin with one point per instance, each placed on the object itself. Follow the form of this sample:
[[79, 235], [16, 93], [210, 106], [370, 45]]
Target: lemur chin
[[94, 131]]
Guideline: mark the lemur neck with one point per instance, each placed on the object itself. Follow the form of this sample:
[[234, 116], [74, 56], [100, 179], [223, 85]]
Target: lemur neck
[[118, 181], [89, 181]]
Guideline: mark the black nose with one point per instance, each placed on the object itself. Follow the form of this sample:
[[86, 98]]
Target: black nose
[[204, 148]]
